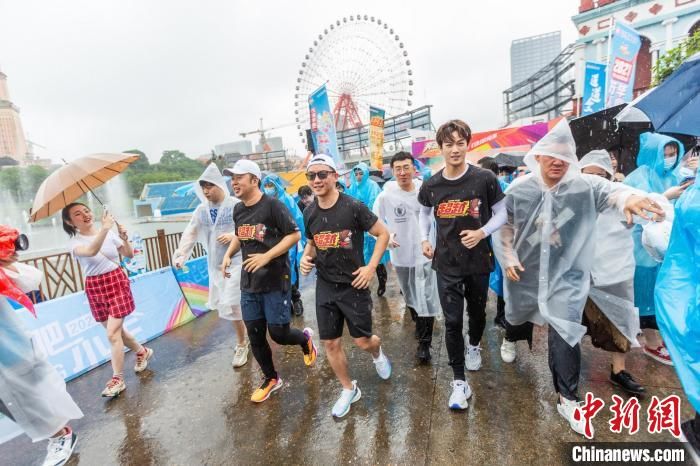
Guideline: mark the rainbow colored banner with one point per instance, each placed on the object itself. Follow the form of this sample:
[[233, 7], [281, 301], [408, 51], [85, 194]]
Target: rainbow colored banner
[[193, 279], [511, 137]]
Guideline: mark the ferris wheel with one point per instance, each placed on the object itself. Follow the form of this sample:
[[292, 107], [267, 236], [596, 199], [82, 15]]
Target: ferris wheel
[[363, 62]]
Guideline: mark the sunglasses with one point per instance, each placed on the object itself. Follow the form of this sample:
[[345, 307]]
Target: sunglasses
[[322, 175]]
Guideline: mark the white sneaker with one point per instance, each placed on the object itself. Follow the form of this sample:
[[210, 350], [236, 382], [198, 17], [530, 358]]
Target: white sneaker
[[566, 409], [60, 449], [240, 357], [461, 392], [347, 398], [383, 365], [508, 353], [472, 358]]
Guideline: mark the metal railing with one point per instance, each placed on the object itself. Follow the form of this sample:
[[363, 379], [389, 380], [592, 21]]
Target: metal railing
[[63, 276]]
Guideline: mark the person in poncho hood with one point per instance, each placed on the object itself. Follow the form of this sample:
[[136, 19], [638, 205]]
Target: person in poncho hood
[[366, 191], [272, 186], [678, 304], [212, 226], [658, 171], [610, 314], [547, 248]]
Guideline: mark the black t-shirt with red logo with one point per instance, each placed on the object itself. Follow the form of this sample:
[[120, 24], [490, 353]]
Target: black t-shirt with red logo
[[259, 228], [461, 204], [338, 234]]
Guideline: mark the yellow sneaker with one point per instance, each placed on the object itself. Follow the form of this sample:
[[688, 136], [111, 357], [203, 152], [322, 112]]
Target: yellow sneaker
[[310, 359], [268, 386]]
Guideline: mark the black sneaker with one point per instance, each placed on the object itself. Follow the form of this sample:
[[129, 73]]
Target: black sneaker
[[423, 353], [298, 308], [625, 381], [692, 437]]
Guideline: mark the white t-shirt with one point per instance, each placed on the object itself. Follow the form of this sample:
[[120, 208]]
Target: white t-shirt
[[104, 261]]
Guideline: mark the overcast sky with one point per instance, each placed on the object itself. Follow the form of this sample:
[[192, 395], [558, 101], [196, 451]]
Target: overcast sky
[[107, 75]]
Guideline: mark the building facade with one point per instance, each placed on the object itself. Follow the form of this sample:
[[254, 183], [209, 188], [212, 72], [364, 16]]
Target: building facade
[[662, 24], [13, 143], [529, 54]]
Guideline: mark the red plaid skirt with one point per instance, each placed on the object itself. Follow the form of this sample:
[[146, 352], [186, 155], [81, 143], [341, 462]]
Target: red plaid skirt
[[109, 294]]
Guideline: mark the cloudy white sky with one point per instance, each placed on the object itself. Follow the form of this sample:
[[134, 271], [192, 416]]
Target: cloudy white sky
[[112, 75]]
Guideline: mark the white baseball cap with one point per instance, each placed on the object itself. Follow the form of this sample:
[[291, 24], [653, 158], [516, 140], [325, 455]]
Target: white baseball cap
[[322, 159], [243, 167]]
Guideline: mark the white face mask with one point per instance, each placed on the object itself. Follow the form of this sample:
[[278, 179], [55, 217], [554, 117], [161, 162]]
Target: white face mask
[[669, 162], [686, 172]]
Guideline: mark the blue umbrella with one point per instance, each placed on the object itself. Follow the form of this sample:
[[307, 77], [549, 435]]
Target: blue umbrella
[[674, 106]]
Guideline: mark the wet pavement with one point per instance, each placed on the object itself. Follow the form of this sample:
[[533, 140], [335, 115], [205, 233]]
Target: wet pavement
[[190, 407]]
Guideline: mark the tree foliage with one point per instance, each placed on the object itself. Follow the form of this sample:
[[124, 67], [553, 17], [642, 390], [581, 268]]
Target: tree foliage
[[172, 166], [673, 58]]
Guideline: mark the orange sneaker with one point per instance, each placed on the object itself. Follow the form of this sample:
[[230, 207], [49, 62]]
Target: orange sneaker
[[310, 359], [268, 386]]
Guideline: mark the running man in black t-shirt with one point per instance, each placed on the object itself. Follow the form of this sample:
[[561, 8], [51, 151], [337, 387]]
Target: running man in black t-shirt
[[462, 199], [265, 231], [335, 226]]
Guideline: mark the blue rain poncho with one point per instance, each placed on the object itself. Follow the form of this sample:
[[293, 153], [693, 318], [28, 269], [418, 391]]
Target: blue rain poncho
[[366, 191], [652, 177], [677, 299], [286, 199], [496, 277]]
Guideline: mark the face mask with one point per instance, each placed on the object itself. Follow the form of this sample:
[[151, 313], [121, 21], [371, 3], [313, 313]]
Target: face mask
[[669, 162], [270, 191], [686, 172]]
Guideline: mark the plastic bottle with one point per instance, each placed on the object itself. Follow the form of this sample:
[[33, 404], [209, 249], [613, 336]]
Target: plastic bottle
[[139, 260]]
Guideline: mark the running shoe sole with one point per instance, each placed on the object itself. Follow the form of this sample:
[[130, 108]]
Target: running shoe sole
[[275, 388], [658, 359], [354, 399]]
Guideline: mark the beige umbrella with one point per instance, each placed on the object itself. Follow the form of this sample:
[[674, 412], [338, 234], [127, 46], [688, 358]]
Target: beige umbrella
[[74, 179]]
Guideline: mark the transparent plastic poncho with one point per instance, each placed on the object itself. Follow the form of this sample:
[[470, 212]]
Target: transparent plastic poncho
[[223, 292], [677, 294], [551, 233], [30, 388]]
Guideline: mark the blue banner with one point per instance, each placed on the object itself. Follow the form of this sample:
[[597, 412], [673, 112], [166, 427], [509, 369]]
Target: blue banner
[[622, 61], [323, 126], [593, 88], [67, 334]]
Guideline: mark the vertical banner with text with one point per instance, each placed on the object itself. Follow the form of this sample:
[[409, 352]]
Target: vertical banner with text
[[593, 88], [622, 60], [323, 126], [376, 137]]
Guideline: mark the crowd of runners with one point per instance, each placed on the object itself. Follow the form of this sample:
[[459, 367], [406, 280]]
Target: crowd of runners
[[560, 244]]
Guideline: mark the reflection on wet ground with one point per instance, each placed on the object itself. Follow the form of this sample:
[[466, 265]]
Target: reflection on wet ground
[[191, 407]]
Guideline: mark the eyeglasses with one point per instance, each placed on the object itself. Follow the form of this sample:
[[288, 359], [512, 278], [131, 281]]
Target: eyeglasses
[[322, 175], [400, 170]]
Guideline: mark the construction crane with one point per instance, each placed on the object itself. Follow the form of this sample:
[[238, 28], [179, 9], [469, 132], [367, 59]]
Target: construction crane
[[262, 130]]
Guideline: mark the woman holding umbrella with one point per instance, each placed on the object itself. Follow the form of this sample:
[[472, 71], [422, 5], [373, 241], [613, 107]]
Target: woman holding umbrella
[[107, 287]]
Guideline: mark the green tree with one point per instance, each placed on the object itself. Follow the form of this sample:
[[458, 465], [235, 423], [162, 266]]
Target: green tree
[[141, 163], [10, 181], [32, 177], [673, 58]]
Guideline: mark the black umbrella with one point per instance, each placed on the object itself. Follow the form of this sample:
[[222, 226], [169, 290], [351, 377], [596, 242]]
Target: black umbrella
[[509, 159], [600, 130]]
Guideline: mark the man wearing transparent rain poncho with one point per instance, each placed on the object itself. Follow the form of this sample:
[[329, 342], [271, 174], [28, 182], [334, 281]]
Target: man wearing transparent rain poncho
[[212, 226], [547, 250]]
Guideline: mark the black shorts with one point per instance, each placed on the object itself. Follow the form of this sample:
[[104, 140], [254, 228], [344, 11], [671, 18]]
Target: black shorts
[[339, 302]]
